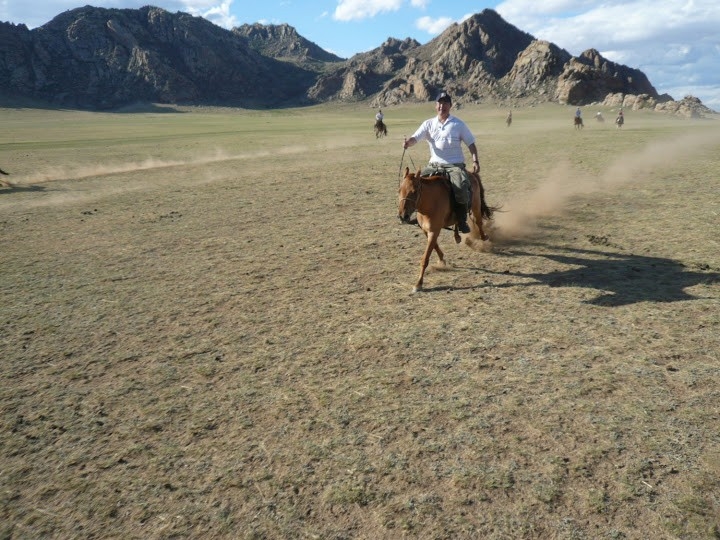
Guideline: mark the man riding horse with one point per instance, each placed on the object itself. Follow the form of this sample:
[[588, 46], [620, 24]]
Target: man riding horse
[[444, 134], [380, 128]]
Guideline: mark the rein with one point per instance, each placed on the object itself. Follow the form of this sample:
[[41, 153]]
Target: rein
[[400, 168], [416, 181], [400, 179], [402, 158]]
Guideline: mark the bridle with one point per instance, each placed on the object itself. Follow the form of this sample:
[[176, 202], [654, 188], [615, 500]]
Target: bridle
[[417, 185], [400, 179]]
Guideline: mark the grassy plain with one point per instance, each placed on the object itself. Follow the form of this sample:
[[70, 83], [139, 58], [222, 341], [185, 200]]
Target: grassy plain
[[207, 330]]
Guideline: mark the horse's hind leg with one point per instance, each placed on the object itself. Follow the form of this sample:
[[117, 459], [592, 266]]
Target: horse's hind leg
[[477, 215], [478, 220]]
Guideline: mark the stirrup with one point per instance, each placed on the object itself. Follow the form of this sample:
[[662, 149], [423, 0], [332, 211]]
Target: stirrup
[[463, 226]]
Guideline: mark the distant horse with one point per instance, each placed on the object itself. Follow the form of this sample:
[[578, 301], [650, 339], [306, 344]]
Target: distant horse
[[508, 120], [380, 129], [578, 122], [431, 199], [619, 121], [599, 117]]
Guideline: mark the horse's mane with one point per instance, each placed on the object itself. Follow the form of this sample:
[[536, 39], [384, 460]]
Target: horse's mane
[[417, 176], [434, 178]]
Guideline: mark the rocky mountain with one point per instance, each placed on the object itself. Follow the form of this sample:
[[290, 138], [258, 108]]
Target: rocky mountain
[[97, 58], [284, 43], [483, 58]]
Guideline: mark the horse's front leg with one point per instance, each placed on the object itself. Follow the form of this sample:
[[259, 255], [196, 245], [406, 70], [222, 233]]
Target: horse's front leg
[[431, 245]]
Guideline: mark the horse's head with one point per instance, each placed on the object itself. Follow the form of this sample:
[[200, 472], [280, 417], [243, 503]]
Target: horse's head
[[408, 193]]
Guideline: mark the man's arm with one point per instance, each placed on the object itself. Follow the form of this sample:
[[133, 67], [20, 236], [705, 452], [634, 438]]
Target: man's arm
[[475, 159]]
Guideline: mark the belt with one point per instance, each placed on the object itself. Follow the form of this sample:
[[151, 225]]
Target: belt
[[446, 165]]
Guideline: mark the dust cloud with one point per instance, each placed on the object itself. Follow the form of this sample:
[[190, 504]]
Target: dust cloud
[[99, 169], [63, 173], [518, 218]]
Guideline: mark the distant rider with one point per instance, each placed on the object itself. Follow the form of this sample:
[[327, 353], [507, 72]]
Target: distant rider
[[379, 126]]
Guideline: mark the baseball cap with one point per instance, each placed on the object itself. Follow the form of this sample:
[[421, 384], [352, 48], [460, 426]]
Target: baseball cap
[[444, 96]]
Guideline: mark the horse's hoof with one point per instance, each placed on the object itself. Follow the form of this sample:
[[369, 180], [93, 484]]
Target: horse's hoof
[[417, 289]]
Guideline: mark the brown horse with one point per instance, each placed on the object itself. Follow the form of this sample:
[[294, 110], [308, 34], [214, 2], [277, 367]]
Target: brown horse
[[380, 129], [619, 121], [578, 122], [430, 199]]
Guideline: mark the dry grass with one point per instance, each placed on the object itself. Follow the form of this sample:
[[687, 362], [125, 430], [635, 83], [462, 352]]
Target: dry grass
[[207, 331]]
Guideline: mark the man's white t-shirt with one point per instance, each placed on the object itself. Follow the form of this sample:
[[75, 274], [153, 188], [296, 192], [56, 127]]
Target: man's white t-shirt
[[445, 139]]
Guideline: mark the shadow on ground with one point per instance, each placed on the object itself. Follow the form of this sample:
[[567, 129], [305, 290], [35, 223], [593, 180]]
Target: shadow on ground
[[622, 279], [16, 188]]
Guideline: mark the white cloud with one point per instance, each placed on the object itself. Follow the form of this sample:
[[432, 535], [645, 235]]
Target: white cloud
[[666, 39], [433, 26], [421, 4], [571, 23], [36, 13], [351, 10], [216, 13]]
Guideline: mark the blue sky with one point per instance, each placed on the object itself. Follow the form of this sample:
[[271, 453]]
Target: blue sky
[[676, 43]]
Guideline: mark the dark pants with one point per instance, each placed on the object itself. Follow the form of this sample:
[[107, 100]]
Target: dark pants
[[459, 178]]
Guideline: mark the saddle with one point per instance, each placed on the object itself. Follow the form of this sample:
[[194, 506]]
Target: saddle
[[439, 171]]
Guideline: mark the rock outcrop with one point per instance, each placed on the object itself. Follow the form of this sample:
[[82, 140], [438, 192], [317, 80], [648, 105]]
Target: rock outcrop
[[283, 42], [688, 107], [590, 77]]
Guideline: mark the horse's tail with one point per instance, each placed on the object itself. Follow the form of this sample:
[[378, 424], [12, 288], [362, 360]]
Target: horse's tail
[[486, 211]]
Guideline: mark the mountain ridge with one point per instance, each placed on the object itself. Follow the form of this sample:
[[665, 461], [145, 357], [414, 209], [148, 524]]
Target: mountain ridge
[[105, 58]]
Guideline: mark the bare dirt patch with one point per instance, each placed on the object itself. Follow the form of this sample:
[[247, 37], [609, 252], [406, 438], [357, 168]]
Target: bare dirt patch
[[221, 342]]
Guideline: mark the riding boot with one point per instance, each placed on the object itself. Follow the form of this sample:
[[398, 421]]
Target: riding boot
[[461, 213]]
